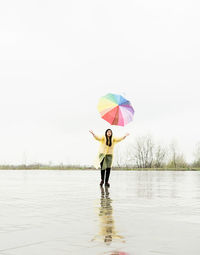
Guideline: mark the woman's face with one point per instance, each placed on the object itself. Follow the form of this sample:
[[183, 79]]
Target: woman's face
[[109, 133]]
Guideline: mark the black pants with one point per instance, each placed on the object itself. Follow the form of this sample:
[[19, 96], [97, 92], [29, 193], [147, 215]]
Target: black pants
[[107, 170]]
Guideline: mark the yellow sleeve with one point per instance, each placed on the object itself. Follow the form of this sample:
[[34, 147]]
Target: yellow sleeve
[[118, 139], [98, 138]]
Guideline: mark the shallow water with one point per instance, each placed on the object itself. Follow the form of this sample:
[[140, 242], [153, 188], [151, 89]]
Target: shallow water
[[66, 212]]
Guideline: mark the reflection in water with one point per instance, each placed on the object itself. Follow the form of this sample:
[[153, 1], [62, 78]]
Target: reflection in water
[[152, 184], [107, 227]]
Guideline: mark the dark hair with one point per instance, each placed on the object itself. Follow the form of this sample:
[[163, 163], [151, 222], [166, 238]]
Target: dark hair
[[108, 140]]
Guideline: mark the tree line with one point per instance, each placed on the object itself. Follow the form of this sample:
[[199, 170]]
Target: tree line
[[145, 153]]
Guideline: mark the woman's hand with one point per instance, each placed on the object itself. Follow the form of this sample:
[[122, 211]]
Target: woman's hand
[[91, 132], [127, 134]]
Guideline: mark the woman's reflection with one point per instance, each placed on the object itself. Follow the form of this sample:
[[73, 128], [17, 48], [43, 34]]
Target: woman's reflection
[[107, 227]]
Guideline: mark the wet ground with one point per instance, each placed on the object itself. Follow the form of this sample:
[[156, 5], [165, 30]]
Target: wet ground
[[66, 212]]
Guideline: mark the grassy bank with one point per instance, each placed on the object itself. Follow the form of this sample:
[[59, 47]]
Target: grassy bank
[[78, 167]]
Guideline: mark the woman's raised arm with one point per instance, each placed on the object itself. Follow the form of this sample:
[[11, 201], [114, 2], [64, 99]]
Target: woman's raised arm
[[95, 136], [119, 139]]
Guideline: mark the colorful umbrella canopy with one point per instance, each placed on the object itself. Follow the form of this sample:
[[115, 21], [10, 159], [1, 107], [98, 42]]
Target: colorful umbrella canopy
[[115, 109]]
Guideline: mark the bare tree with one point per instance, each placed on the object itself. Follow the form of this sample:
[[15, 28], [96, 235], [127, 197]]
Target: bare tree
[[177, 159], [160, 156], [143, 152], [173, 155], [197, 155]]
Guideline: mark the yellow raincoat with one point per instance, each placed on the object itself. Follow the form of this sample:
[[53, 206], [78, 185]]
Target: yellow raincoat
[[105, 150]]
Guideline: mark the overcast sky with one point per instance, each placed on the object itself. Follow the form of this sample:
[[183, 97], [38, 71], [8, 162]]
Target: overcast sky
[[57, 58]]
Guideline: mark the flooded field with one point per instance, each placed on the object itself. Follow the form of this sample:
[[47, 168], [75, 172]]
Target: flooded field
[[66, 212]]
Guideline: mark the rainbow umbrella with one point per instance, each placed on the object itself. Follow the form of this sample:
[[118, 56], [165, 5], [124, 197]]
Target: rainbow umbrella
[[115, 109]]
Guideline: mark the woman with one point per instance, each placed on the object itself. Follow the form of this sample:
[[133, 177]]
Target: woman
[[105, 157]]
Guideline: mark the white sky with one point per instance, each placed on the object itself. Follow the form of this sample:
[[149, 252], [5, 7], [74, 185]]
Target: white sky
[[57, 58]]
